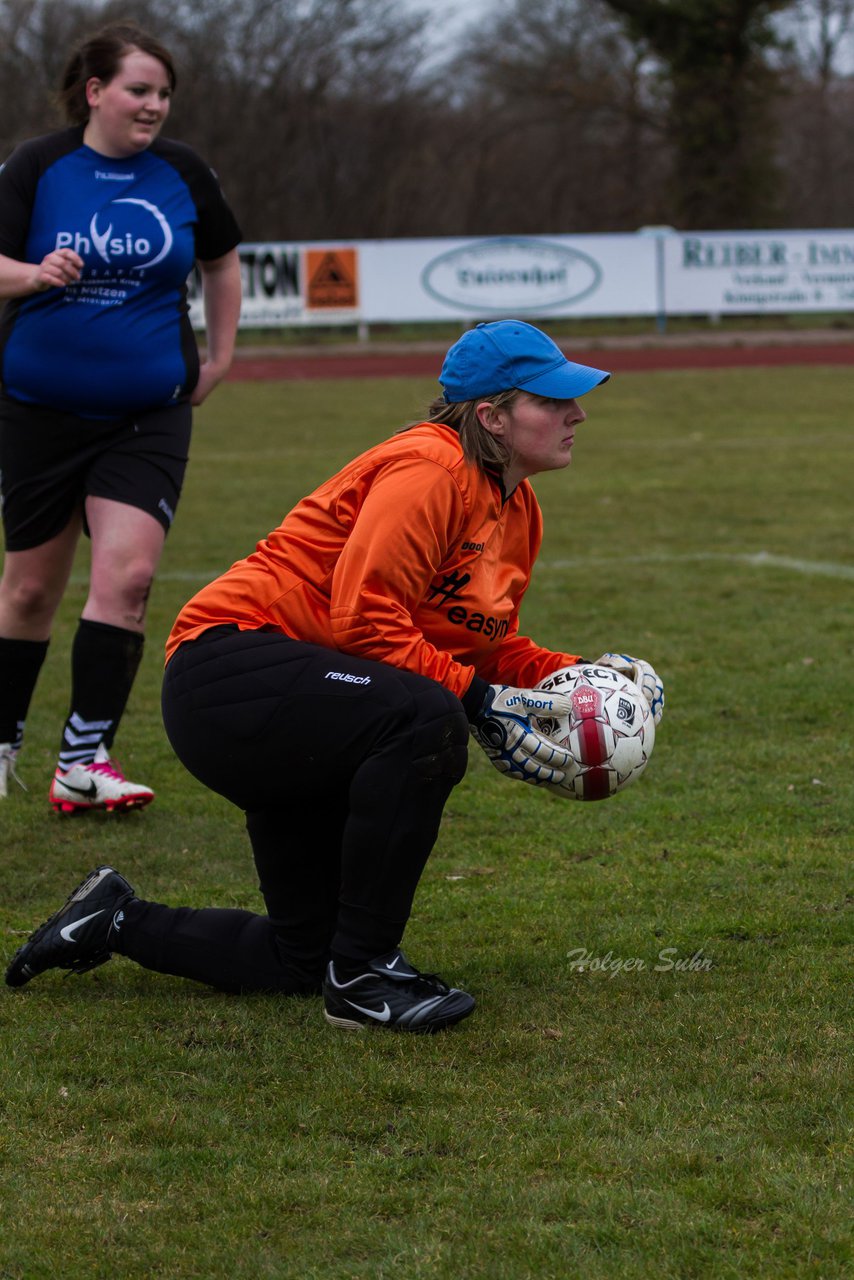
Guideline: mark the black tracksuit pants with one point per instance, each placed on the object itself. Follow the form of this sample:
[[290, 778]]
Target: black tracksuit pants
[[342, 766]]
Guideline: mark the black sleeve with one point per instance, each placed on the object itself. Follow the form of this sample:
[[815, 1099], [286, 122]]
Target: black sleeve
[[19, 178], [17, 188], [216, 228]]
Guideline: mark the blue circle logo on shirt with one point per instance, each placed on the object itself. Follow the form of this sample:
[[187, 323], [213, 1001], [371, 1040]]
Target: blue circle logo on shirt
[[140, 232]]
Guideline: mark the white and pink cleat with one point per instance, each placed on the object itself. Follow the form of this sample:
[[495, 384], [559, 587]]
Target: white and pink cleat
[[97, 785]]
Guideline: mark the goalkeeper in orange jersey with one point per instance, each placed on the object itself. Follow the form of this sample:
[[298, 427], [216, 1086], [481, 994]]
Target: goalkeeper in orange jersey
[[328, 684]]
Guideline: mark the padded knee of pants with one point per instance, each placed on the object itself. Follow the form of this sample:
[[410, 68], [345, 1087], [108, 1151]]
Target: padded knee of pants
[[441, 736]]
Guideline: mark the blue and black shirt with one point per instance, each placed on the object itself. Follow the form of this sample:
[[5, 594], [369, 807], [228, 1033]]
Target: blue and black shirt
[[119, 340]]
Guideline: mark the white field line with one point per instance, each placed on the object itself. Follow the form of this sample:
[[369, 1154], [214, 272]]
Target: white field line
[[754, 560]]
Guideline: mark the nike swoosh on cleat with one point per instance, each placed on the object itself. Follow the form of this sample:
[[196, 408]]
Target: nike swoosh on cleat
[[89, 792], [394, 962], [381, 1015], [67, 934]]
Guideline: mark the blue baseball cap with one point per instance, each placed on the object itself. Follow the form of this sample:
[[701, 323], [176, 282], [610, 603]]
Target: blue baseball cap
[[502, 354]]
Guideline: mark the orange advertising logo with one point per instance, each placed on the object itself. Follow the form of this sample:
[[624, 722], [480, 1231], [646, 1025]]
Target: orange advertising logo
[[332, 277]]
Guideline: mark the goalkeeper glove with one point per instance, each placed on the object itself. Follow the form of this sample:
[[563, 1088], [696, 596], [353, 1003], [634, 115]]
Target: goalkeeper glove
[[641, 674], [503, 728]]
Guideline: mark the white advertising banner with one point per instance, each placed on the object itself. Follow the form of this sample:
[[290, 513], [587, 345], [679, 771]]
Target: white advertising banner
[[508, 276], [738, 272], [655, 274]]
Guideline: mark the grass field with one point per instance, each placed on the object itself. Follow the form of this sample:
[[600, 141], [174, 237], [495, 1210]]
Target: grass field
[[654, 1082]]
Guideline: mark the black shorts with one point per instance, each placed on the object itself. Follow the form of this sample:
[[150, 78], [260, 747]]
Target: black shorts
[[50, 462]]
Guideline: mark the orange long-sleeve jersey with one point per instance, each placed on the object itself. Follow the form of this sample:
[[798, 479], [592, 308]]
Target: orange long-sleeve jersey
[[409, 555]]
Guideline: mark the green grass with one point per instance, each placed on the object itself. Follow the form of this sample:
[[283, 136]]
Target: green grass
[[626, 1119]]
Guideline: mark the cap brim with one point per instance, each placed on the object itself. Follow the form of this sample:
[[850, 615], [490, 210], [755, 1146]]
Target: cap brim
[[566, 382]]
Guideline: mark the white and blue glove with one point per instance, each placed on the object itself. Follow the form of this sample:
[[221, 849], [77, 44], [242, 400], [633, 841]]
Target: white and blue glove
[[503, 728], [641, 674]]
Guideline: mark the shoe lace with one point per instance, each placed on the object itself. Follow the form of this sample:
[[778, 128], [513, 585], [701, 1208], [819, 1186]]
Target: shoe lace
[[110, 769], [431, 980], [7, 761]]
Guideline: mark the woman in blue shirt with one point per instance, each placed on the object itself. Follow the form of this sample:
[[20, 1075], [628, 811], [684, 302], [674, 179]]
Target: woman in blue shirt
[[100, 225]]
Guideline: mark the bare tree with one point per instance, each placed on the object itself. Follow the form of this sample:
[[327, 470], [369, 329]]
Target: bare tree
[[568, 133], [35, 37], [337, 118], [817, 120], [308, 113], [823, 33]]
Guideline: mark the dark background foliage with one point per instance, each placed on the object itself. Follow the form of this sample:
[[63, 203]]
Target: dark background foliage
[[353, 118]]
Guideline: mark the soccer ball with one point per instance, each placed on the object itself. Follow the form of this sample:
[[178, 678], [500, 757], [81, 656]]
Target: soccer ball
[[609, 732]]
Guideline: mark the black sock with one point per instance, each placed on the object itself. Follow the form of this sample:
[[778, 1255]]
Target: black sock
[[20, 664], [104, 662]]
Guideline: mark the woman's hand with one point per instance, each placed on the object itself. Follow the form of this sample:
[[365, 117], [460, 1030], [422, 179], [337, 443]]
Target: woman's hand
[[56, 270], [59, 268], [517, 749], [210, 375], [641, 674]]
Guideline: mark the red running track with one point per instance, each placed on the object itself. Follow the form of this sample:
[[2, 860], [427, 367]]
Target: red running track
[[402, 364]]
